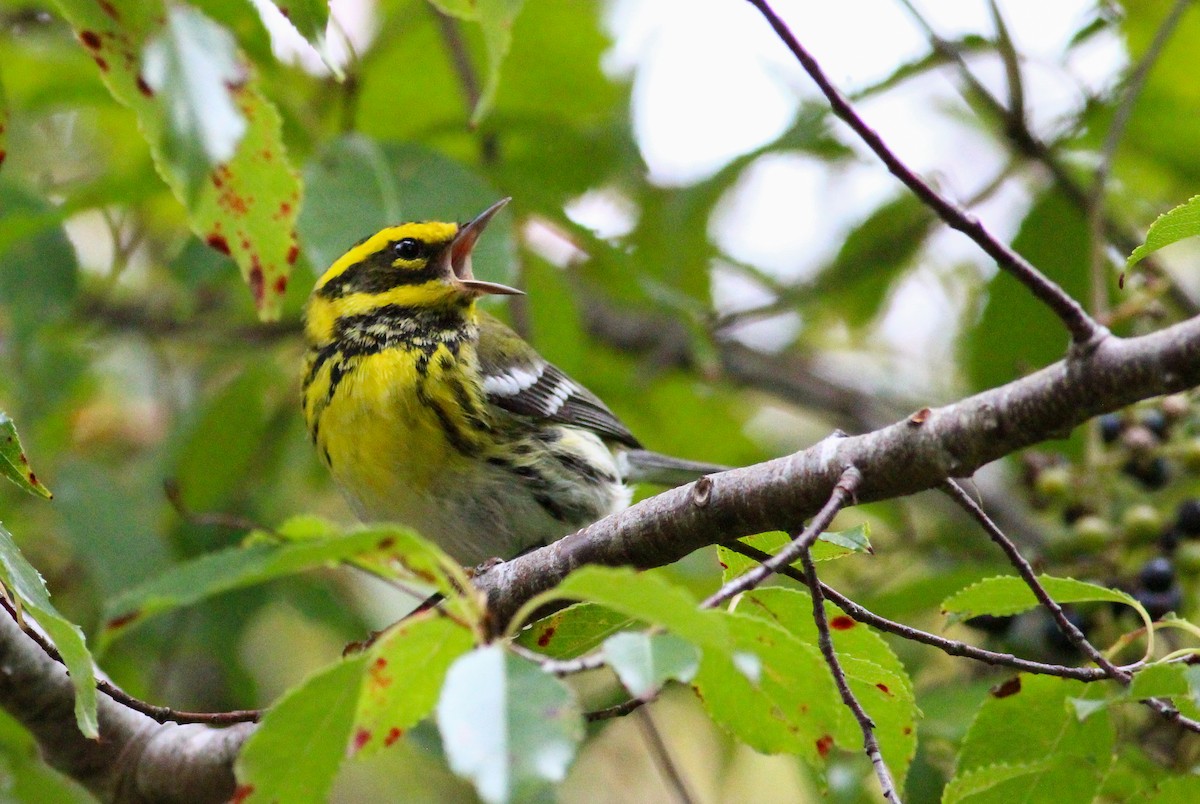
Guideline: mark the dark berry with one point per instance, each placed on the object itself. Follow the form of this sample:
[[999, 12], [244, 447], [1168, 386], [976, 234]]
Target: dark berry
[[990, 623], [1110, 427], [1152, 474], [1159, 604], [1170, 540], [1157, 574], [1072, 513], [1155, 422], [1187, 517]]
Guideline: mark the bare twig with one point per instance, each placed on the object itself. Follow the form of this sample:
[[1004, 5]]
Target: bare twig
[[460, 57], [951, 647], [1025, 570], [662, 757], [842, 493], [1084, 330], [618, 710], [825, 643]]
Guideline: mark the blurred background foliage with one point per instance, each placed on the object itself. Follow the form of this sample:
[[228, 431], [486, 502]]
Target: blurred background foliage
[[731, 309]]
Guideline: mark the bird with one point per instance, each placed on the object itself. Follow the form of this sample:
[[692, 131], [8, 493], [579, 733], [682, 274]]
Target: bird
[[431, 413]]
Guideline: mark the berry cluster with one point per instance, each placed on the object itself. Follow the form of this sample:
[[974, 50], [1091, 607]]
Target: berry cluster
[[1126, 513]]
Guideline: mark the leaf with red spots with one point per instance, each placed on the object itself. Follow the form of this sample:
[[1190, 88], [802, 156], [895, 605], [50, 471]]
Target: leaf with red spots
[[788, 708], [300, 744], [405, 668], [248, 204], [829, 545], [876, 675], [573, 631], [191, 64], [25, 586], [1031, 746], [14, 464]]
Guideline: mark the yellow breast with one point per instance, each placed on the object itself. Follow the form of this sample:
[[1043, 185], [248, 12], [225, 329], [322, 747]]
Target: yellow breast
[[394, 425]]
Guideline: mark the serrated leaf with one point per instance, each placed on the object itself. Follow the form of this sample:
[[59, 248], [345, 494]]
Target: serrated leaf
[[573, 631], [791, 707], [1049, 780], [644, 596], [1007, 594], [1181, 222], [1031, 718], [829, 545], [876, 675], [507, 726], [266, 558], [14, 464], [25, 584], [300, 744], [310, 19], [645, 662], [245, 208], [404, 672], [191, 64]]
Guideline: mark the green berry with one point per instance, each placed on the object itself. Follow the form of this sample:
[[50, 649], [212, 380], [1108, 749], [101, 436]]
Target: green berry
[[1093, 533], [1187, 557], [1053, 482], [1141, 523], [1191, 454]]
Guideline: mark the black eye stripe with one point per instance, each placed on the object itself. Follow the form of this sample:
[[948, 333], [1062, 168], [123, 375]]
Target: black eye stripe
[[409, 248]]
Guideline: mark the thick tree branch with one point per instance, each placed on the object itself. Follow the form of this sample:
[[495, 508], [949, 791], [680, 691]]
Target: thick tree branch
[[913, 455], [135, 759]]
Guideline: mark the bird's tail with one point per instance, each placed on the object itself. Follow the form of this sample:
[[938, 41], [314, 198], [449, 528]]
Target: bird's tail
[[643, 466]]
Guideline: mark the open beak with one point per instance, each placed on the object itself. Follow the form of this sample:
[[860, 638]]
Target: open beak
[[458, 254]]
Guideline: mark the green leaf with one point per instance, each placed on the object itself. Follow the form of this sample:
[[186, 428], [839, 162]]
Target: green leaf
[[245, 208], [299, 746], [1030, 724], [356, 186], [1181, 222], [29, 590], [268, 558], [191, 65], [38, 268], [405, 668], [644, 596], [829, 545], [1171, 791], [876, 675], [789, 706], [13, 463], [3, 122], [645, 662], [507, 726], [495, 18], [573, 631], [1008, 594], [1160, 681]]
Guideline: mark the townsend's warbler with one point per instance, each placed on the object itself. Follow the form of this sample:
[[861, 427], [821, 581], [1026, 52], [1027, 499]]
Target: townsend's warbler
[[434, 414]]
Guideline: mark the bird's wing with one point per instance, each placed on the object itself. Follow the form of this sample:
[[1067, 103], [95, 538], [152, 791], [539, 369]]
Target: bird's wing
[[519, 380]]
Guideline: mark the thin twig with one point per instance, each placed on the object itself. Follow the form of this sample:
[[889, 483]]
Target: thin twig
[[1108, 151], [618, 710], [842, 493], [1025, 570], [472, 89], [825, 643], [1025, 142], [160, 714], [662, 757], [1084, 330], [951, 647]]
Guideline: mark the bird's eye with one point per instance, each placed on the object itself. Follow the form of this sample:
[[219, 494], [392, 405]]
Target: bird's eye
[[408, 249]]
